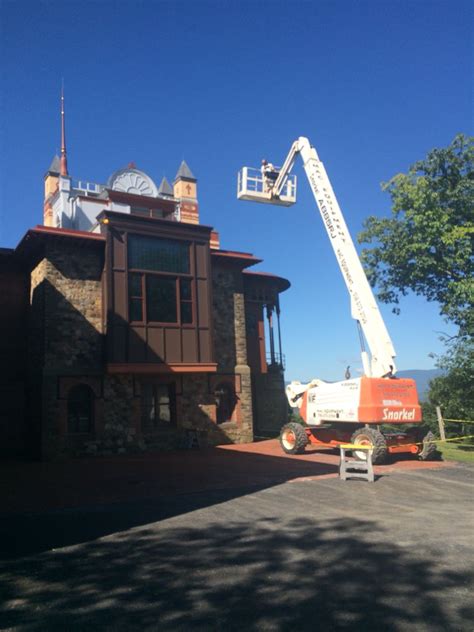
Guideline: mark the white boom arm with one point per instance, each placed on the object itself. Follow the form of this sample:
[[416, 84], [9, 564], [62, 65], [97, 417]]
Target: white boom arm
[[363, 305]]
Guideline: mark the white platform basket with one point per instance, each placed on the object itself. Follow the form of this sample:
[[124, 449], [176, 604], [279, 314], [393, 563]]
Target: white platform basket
[[253, 186]]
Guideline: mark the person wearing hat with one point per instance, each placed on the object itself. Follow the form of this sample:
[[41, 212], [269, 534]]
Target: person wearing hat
[[269, 174]]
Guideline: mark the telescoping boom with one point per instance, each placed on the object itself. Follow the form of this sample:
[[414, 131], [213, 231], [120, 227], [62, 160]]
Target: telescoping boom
[[364, 308]]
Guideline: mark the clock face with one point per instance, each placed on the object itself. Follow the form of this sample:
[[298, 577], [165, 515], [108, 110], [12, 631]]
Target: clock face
[[134, 182]]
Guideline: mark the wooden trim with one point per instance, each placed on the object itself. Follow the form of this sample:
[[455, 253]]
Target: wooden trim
[[163, 378], [149, 226], [142, 201], [154, 368]]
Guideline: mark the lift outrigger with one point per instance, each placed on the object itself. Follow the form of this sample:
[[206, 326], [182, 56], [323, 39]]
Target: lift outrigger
[[352, 409]]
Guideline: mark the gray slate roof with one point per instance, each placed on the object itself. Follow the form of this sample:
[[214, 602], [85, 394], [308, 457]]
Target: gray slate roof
[[185, 172], [55, 166], [165, 188]]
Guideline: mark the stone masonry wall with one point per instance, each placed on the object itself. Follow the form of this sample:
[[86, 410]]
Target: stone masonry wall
[[197, 413], [65, 333], [224, 282], [73, 308], [230, 344], [119, 420]]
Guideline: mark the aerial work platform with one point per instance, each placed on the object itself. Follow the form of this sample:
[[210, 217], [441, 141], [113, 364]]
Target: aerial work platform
[[256, 186]]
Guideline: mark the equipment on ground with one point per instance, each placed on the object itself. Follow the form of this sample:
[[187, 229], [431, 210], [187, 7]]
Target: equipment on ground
[[351, 410]]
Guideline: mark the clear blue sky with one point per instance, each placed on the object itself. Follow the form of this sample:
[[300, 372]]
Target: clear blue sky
[[373, 84]]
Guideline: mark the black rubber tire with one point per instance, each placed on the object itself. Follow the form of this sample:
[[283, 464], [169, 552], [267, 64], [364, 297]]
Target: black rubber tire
[[429, 452], [293, 438], [376, 439]]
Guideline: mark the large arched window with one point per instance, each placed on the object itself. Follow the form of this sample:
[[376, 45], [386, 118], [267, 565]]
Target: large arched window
[[80, 409], [226, 399]]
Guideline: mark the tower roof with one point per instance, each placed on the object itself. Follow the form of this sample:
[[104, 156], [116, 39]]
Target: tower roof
[[185, 172], [55, 166], [165, 188]]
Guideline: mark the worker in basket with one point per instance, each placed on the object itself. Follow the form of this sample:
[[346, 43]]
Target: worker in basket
[[269, 175]]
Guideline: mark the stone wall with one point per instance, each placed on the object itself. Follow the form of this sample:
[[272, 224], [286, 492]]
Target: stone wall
[[230, 345], [73, 327], [224, 286], [198, 411], [65, 335]]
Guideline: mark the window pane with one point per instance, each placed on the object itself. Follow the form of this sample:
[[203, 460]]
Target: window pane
[[160, 255], [161, 300], [135, 285], [163, 393], [136, 311], [165, 413], [157, 405], [185, 287], [148, 406], [80, 409], [144, 212], [186, 313]]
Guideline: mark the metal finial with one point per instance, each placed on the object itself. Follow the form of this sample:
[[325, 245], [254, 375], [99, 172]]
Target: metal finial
[[63, 170]]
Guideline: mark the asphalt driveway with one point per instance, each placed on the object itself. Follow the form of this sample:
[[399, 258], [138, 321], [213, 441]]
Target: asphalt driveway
[[244, 539]]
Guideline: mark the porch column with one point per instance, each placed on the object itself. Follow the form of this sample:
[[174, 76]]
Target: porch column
[[270, 331]]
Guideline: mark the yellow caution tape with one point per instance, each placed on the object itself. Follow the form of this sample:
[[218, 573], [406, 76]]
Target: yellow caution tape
[[357, 446], [452, 439]]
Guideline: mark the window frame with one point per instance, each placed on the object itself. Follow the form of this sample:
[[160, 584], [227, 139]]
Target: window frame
[[158, 423], [177, 276], [90, 405]]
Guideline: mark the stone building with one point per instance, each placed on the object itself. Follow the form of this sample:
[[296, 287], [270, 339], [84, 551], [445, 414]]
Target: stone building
[[126, 327]]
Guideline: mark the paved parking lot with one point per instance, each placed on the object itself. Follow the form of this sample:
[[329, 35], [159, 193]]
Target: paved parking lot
[[236, 539]]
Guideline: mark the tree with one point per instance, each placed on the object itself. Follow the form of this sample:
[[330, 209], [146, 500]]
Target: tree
[[453, 391], [426, 246]]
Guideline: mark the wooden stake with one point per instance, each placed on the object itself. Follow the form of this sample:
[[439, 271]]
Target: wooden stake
[[440, 423]]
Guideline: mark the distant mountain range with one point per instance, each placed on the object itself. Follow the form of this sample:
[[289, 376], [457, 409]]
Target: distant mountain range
[[422, 378]]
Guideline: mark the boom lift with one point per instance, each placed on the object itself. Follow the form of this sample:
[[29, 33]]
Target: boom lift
[[352, 409]]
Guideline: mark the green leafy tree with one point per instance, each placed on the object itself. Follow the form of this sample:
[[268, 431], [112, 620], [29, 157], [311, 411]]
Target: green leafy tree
[[426, 246]]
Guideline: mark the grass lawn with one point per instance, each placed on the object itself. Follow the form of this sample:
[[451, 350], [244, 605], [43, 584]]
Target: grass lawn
[[454, 451]]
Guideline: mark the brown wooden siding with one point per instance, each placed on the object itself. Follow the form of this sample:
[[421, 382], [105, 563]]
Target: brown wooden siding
[[151, 342]]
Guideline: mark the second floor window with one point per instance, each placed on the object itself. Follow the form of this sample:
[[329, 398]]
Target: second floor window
[[158, 255], [163, 290]]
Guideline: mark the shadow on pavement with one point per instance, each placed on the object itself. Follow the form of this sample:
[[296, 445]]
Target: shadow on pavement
[[78, 501], [267, 574]]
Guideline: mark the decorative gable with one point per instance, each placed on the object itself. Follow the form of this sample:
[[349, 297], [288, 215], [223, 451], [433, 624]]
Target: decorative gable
[[132, 181]]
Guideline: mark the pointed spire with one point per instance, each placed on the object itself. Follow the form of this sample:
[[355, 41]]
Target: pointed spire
[[55, 166], [165, 188], [63, 170], [185, 172]]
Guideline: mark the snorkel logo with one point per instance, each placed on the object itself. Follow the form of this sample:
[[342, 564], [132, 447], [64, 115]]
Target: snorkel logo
[[398, 415]]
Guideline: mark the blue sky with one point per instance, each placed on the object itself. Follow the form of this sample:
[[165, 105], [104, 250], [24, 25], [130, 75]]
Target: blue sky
[[374, 85]]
